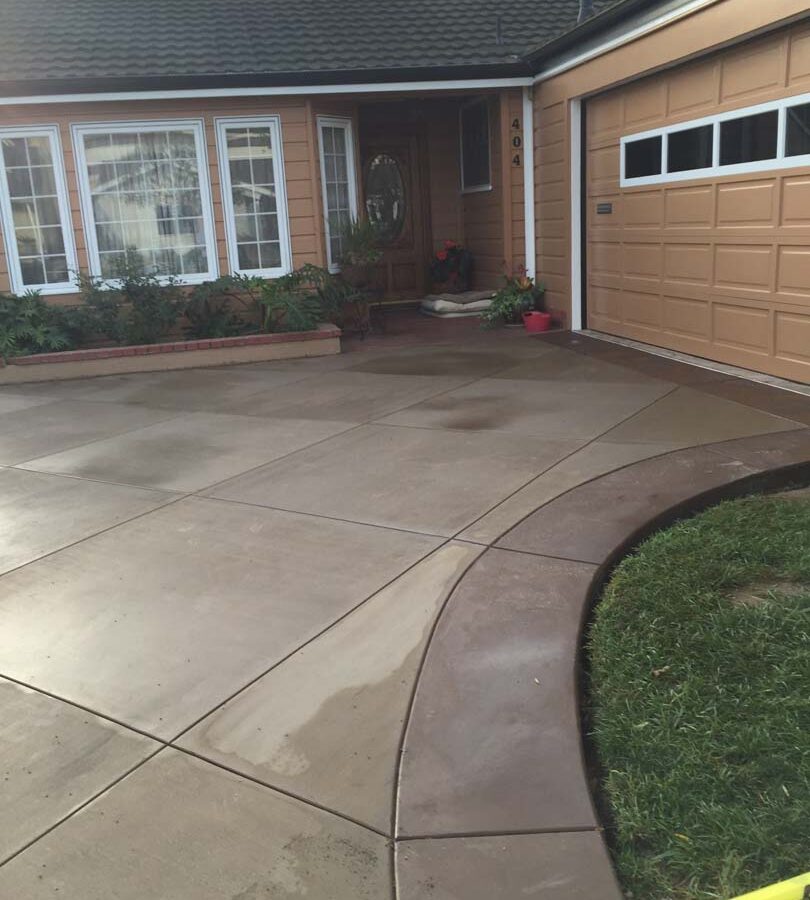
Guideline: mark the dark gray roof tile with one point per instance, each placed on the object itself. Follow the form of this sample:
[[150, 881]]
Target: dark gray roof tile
[[60, 40]]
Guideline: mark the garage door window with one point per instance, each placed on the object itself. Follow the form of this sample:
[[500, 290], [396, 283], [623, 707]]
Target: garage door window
[[643, 157], [749, 138], [690, 149], [798, 130], [759, 138]]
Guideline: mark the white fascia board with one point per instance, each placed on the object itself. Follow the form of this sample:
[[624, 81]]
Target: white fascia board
[[472, 84]]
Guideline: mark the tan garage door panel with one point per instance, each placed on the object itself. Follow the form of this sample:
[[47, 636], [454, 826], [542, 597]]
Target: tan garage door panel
[[718, 268]]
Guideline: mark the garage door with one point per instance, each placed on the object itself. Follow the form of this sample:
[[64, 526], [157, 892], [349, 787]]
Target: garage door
[[698, 207]]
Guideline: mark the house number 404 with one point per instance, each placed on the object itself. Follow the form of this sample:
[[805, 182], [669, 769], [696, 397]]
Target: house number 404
[[517, 143]]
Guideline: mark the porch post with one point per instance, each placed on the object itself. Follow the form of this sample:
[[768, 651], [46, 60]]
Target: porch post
[[528, 181]]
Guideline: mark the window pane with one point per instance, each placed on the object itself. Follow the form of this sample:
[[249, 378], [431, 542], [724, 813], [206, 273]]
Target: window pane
[[56, 270], [749, 138], [263, 171], [33, 271], [43, 180], [19, 183], [270, 255], [52, 240], [245, 228], [266, 200], [24, 213], [267, 227], [14, 152], [145, 189], [798, 130], [642, 158], [36, 216], [48, 211], [475, 144], [39, 151], [690, 149], [28, 241], [248, 256]]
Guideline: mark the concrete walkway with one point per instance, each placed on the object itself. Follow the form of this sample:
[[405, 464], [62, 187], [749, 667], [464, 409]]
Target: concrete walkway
[[218, 596]]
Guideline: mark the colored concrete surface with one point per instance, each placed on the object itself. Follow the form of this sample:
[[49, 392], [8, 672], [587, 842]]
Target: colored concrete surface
[[54, 758], [592, 460], [281, 651], [572, 866], [326, 723], [156, 622], [493, 743], [181, 828], [189, 452], [419, 479], [688, 417], [578, 410], [592, 522], [42, 513], [29, 432]]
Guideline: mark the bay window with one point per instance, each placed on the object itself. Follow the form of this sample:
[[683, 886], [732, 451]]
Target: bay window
[[145, 196]]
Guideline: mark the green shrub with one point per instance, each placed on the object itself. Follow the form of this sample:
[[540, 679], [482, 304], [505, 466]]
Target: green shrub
[[29, 325], [223, 308], [300, 300], [136, 307]]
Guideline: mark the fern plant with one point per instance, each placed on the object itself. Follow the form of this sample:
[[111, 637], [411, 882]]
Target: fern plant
[[29, 325], [293, 302]]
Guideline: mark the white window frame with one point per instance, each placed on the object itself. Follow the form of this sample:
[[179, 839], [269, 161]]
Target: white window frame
[[66, 222], [197, 126], [348, 127], [477, 188], [780, 161], [274, 124]]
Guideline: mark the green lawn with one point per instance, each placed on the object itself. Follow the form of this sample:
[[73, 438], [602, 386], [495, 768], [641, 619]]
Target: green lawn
[[700, 703]]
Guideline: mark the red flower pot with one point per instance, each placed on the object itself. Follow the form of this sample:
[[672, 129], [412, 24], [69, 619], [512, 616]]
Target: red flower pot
[[534, 321]]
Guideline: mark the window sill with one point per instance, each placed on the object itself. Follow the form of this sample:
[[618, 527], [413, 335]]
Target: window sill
[[478, 189]]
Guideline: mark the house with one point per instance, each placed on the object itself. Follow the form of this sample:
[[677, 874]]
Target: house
[[649, 159]]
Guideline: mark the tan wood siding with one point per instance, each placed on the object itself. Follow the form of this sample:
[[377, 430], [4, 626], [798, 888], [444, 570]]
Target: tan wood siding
[[484, 217], [444, 172], [551, 204]]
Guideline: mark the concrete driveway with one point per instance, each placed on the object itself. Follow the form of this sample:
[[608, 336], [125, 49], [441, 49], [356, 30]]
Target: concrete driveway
[[218, 587]]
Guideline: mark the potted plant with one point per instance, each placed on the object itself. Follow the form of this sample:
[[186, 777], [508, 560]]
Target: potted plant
[[451, 269], [535, 317], [360, 254], [518, 302]]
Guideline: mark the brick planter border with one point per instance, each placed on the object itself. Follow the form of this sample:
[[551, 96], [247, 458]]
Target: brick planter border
[[324, 341]]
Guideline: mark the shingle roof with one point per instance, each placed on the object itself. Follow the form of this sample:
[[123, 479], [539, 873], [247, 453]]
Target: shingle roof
[[72, 40]]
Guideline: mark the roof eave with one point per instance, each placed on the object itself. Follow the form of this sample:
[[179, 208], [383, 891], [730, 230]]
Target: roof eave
[[613, 16], [507, 69]]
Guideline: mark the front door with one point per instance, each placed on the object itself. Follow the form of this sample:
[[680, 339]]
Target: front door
[[393, 188]]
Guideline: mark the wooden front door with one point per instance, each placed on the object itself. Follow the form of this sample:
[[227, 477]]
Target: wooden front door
[[393, 191]]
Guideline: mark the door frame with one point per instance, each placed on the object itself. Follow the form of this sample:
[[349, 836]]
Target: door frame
[[579, 217], [418, 184]]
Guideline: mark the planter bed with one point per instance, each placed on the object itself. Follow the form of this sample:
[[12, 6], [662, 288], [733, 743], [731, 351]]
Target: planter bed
[[325, 341]]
